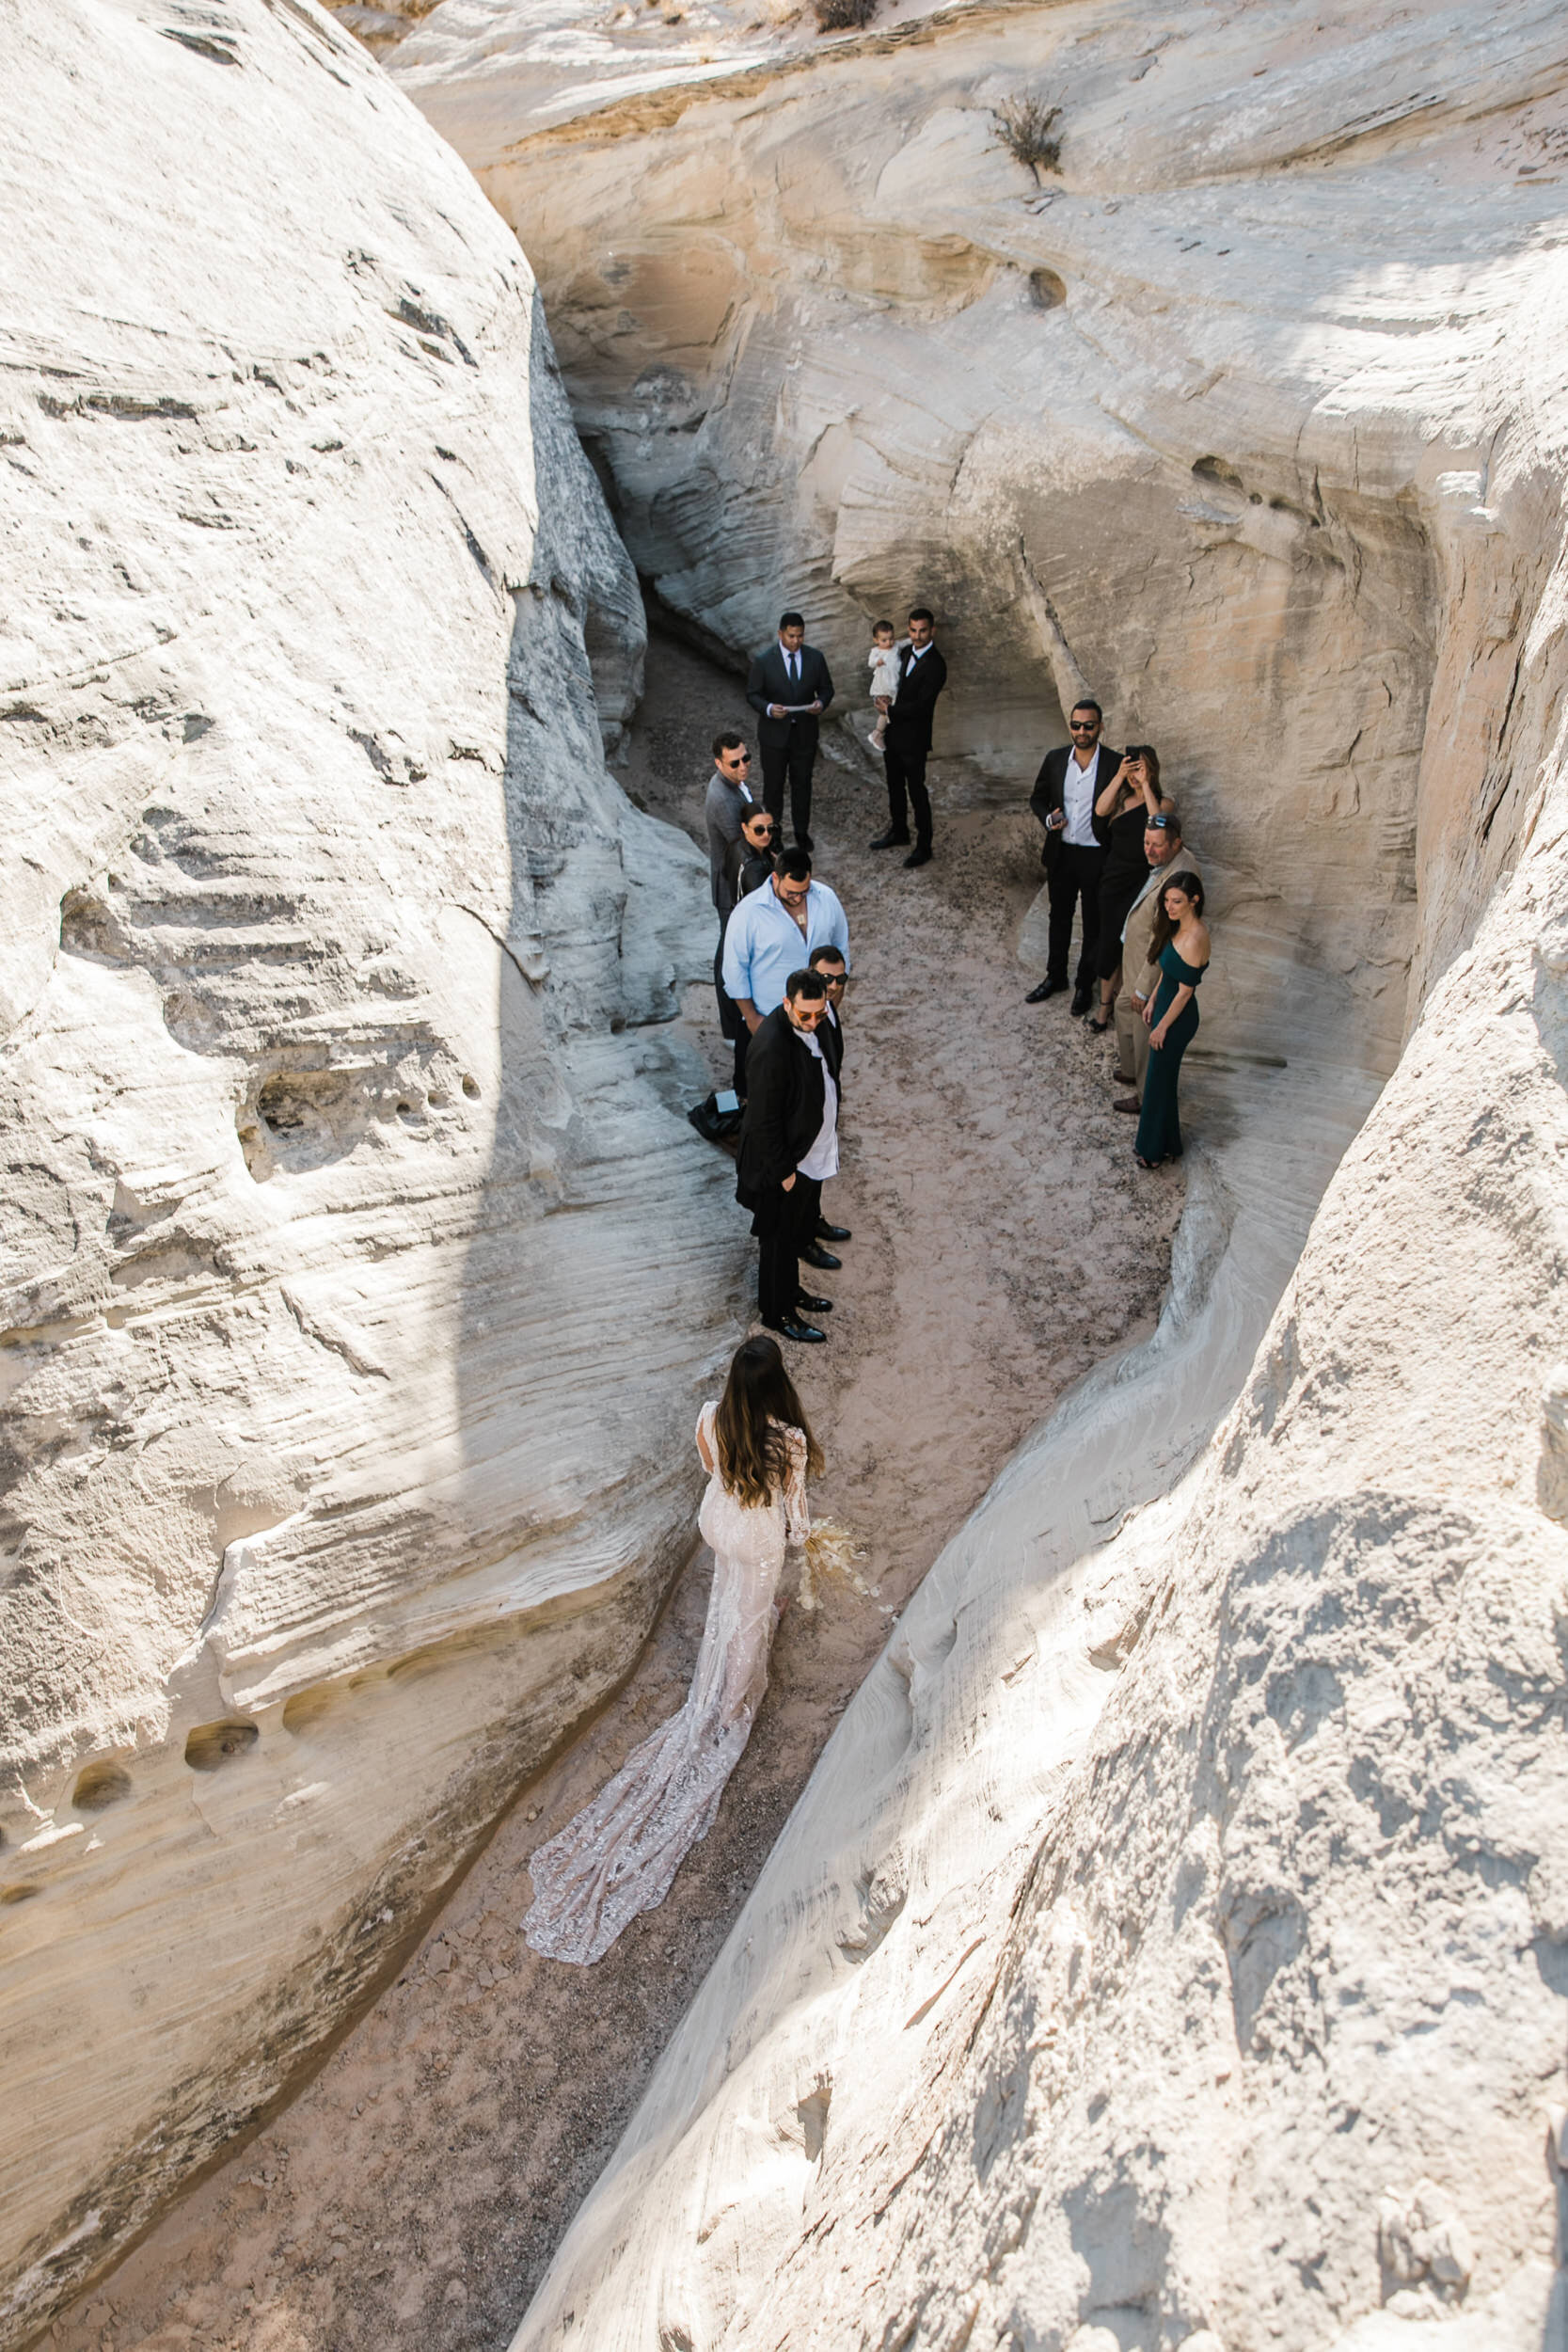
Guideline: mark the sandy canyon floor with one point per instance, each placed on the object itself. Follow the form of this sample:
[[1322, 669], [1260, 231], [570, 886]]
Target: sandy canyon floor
[[414, 2191]]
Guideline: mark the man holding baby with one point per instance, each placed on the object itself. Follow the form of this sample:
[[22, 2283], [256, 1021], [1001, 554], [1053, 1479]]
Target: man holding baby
[[906, 729]]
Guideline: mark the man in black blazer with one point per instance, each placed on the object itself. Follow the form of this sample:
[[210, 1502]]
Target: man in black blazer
[[785, 676], [1070, 782], [907, 740], [835, 973], [790, 1128]]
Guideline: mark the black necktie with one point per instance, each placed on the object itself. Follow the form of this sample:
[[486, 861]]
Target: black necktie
[[794, 669]]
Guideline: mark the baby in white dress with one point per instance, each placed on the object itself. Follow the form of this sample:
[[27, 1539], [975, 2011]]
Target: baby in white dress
[[883, 658]]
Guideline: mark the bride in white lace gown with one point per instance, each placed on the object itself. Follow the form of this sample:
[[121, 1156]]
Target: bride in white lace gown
[[620, 1854]]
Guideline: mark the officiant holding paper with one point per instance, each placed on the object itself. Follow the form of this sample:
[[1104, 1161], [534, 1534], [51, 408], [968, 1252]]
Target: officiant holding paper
[[789, 689]]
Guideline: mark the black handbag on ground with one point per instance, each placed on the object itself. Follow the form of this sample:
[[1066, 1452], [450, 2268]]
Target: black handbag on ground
[[714, 1125]]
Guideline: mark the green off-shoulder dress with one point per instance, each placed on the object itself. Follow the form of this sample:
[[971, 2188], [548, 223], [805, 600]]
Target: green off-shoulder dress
[[1160, 1128]]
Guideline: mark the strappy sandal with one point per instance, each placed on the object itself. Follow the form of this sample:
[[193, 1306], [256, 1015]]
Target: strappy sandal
[[1150, 1164], [1100, 1028]]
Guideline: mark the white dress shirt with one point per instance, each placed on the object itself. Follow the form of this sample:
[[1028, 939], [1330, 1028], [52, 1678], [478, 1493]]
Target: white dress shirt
[[821, 1161], [1077, 793]]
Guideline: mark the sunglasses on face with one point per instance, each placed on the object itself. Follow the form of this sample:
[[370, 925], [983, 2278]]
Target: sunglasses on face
[[1082, 726], [737, 760]]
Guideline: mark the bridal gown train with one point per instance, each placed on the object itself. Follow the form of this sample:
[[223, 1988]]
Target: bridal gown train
[[620, 1854]]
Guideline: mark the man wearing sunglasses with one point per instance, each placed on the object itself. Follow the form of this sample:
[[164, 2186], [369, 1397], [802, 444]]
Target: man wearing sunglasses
[[1074, 851], [830, 963], [727, 806], [788, 1145], [724, 810]]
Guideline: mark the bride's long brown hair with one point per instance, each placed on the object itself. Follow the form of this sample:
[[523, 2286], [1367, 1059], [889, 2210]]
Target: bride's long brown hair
[[758, 1405]]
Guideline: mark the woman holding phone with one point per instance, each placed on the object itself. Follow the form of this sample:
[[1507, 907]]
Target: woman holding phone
[[1181, 948], [1129, 801]]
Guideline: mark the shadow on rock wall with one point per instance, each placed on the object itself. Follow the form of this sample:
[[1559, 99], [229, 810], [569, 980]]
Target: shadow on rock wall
[[340, 1382]]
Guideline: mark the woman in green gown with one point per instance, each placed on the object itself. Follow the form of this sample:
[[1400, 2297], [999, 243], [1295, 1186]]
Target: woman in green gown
[[1180, 948]]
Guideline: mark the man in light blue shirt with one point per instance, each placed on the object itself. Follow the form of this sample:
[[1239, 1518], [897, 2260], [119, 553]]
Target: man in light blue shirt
[[775, 932]]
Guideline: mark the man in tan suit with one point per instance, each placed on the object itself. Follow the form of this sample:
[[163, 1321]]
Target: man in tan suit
[[1167, 853]]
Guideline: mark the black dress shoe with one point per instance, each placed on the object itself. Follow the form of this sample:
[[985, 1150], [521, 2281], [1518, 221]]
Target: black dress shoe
[[816, 1255], [804, 841], [920, 854], [833, 1232], [805, 1332], [1046, 988], [804, 1300], [891, 840], [1081, 1000]]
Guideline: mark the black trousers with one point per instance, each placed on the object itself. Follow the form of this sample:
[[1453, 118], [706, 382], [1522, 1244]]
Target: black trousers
[[1074, 882], [783, 1224], [1115, 904], [795, 759], [906, 782]]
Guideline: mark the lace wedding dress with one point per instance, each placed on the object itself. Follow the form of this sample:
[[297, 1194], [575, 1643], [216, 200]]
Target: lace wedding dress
[[620, 1854]]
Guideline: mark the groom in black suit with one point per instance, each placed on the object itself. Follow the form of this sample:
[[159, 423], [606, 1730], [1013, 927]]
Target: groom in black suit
[[786, 676], [907, 740]]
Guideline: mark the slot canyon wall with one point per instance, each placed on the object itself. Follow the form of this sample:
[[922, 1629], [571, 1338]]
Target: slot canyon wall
[[1190, 418], [1169, 1949], [346, 1200]]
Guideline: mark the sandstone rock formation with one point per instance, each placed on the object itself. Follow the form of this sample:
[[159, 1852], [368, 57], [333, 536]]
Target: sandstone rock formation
[[1169, 1949], [825, 332], [346, 1206]]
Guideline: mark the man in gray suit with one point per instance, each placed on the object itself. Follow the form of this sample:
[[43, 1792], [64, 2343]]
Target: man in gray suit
[[725, 809]]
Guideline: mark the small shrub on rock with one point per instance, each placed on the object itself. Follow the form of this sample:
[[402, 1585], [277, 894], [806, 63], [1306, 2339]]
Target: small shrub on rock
[[843, 16], [1023, 127]]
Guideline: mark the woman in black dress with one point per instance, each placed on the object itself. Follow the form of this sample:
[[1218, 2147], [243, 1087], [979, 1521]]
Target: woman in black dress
[[1127, 804]]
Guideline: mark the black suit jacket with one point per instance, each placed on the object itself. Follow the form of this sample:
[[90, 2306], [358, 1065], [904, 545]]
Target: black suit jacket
[[908, 722], [830, 1036], [1050, 788], [745, 870], [785, 1097], [769, 682]]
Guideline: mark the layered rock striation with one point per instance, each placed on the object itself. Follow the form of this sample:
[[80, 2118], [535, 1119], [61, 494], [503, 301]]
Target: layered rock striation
[[347, 1202], [1168, 1951]]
